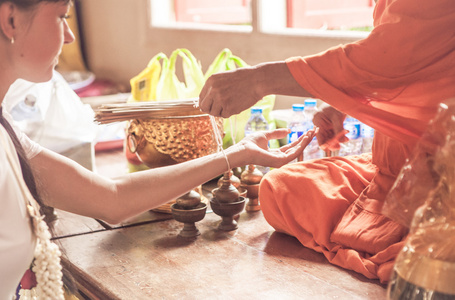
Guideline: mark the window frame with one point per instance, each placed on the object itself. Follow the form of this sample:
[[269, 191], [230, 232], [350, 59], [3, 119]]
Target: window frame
[[261, 22]]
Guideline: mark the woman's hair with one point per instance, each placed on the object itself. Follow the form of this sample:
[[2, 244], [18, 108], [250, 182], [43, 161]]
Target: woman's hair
[[27, 4]]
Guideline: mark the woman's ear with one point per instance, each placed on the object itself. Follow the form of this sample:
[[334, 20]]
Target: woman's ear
[[7, 19]]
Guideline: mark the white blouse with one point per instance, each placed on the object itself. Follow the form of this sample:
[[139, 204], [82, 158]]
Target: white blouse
[[17, 242]]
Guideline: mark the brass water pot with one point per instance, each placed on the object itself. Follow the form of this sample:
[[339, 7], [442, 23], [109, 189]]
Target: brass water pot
[[172, 139]]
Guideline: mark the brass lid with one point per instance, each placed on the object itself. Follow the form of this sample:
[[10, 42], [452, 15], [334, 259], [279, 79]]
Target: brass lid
[[251, 175], [189, 200], [226, 193], [235, 181]]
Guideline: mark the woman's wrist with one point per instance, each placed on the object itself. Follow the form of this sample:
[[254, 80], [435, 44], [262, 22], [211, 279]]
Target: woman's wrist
[[237, 155]]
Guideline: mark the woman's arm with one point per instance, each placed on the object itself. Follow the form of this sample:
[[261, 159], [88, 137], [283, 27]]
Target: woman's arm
[[68, 186]]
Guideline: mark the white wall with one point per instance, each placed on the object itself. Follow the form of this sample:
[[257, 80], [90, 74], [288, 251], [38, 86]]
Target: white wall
[[119, 41]]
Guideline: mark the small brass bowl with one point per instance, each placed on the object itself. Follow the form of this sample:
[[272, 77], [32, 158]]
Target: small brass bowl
[[227, 212], [172, 139], [185, 215], [189, 217]]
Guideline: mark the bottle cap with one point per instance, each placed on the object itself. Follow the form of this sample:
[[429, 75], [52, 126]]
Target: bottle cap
[[311, 102], [351, 119], [30, 100], [298, 107], [256, 110]]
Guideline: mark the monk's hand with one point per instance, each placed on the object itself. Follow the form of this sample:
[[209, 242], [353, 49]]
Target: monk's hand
[[331, 131], [229, 93]]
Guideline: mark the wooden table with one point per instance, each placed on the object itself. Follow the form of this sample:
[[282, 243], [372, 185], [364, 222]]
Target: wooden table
[[146, 259]]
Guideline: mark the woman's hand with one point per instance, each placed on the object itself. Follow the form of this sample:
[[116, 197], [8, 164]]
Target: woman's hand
[[258, 152], [331, 131]]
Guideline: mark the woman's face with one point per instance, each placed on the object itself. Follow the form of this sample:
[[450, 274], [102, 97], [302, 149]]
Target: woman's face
[[39, 41]]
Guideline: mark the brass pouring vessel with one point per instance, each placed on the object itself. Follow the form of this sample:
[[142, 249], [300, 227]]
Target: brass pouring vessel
[[163, 141]]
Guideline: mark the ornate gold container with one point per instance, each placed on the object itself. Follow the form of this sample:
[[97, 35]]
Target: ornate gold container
[[163, 141]]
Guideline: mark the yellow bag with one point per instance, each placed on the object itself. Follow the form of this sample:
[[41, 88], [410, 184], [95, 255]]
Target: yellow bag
[[143, 86]]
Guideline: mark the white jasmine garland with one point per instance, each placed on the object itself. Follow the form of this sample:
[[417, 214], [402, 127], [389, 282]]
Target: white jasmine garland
[[46, 265], [28, 294]]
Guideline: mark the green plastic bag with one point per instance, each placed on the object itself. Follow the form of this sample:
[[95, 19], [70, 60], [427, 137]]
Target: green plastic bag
[[169, 87], [226, 61]]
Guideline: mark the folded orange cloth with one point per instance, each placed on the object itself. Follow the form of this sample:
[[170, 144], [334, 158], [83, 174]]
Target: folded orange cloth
[[320, 203]]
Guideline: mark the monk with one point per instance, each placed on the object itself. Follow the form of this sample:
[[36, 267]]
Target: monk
[[393, 81]]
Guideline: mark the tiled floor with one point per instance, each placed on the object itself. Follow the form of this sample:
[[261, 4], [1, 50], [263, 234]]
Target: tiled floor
[[146, 259]]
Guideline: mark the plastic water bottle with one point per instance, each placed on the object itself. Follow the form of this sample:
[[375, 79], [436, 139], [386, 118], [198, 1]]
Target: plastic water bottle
[[297, 122], [312, 151], [310, 108], [354, 145], [257, 122], [367, 134]]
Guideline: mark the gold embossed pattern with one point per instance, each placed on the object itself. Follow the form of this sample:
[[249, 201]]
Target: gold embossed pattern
[[180, 138]]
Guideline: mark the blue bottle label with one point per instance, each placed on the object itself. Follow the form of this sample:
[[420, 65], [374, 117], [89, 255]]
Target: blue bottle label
[[354, 130], [294, 135]]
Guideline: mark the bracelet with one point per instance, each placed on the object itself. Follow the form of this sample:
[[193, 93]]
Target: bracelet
[[227, 160], [219, 140]]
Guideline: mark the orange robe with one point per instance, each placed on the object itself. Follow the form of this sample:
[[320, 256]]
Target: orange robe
[[393, 80]]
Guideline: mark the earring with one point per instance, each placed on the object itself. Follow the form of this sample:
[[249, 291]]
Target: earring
[[12, 40]]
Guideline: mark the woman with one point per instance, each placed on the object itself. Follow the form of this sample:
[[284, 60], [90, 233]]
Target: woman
[[393, 80], [32, 35]]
